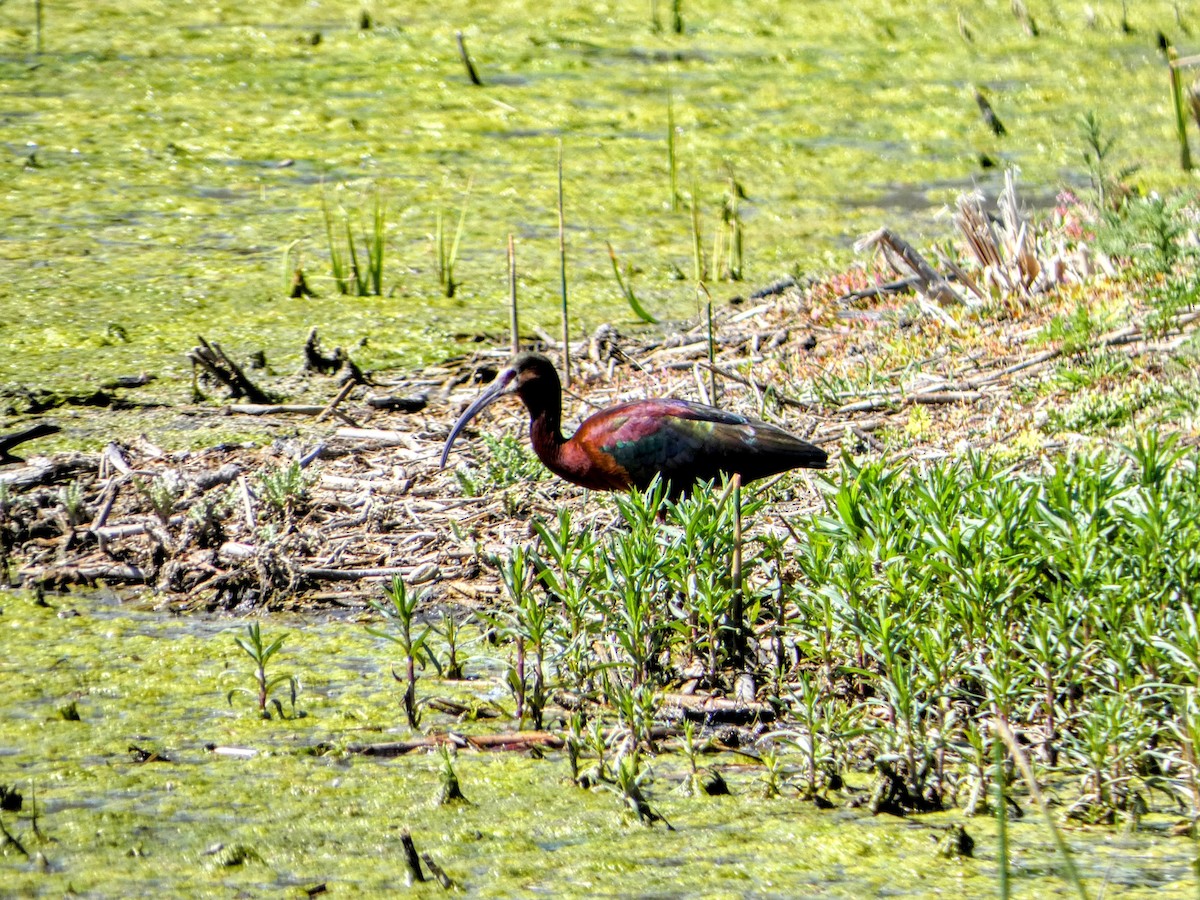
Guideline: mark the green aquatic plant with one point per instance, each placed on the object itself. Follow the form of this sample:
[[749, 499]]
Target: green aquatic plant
[[449, 791], [260, 653], [72, 500], [629, 780], [1097, 150], [1148, 231], [530, 624], [508, 462], [162, 493], [446, 257], [413, 641], [360, 277]]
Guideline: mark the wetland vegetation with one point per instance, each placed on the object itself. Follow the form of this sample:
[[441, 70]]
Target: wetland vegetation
[[545, 690]]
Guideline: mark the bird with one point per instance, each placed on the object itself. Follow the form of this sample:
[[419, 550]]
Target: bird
[[626, 446]]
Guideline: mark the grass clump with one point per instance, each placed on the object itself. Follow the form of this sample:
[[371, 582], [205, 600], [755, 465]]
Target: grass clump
[[354, 274]]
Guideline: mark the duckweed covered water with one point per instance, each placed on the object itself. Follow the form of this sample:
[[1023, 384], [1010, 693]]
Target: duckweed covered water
[[166, 163], [112, 826]]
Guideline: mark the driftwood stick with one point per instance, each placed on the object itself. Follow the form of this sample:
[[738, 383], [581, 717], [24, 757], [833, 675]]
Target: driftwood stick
[[14, 438], [399, 404], [718, 709], [108, 498], [330, 410], [759, 386], [927, 398], [274, 409], [106, 533], [206, 481], [466, 58], [113, 458], [84, 574], [437, 872], [247, 503], [366, 485], [410, 856], [379, 436], [899, 252], [324, 574], [512, 740], [48, 471], [213, 359]]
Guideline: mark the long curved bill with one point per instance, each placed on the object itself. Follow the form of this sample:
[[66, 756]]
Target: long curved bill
[[503, 384]]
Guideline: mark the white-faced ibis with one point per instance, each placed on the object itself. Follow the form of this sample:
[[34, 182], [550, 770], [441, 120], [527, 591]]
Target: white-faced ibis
[[626, 445]]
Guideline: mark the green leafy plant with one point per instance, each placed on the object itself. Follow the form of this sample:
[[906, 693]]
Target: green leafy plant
[[401, 615], [285, 488], [72, 500], [1097, 152], [450, 791], [1074, 332], [260, 653], [161, 493], [1148, 231], [508, 461]]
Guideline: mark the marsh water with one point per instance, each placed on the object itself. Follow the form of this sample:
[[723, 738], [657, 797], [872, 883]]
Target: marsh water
[[167, 163], [166, 170], [313, 814]]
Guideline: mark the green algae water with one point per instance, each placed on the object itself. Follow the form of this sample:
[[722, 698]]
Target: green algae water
[[166, 164], [301, 812]]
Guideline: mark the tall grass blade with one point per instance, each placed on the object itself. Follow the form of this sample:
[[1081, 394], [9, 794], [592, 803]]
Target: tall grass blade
[[562, 274], [737, 604], [446, 260], [672, 160], [1018, 756], [627, 291], [733, 222], [337, 262], [376, 246], [355, 271], [1185, 151], [1001, 822], [699, 266], [514, 330]]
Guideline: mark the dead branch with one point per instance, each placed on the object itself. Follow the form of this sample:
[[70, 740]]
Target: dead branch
[[15, 438], [902, 256], [213, 360]]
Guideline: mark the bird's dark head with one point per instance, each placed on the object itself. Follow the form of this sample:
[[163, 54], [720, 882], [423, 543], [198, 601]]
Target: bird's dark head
[[530, 376]]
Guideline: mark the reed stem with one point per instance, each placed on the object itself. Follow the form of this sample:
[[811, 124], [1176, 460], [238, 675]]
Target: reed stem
[[1018, 756], [512, 296], [1185, 151], [466, 58], [1001, 821], [672, 163], [562, 274]]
